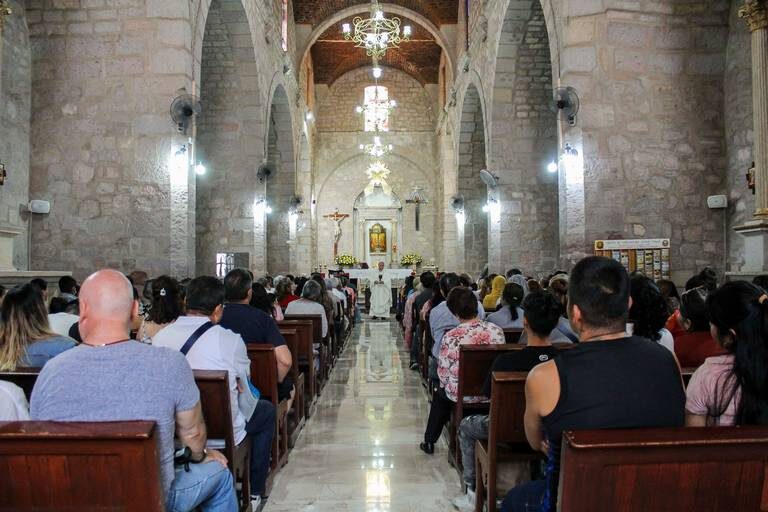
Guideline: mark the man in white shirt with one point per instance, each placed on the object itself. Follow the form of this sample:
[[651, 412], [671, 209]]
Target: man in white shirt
[[221, 349], [13, 403]]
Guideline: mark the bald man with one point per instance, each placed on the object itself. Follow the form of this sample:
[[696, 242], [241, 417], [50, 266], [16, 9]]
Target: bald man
[[113, 378]]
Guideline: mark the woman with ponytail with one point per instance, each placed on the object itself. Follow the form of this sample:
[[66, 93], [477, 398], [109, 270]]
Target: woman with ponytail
[[166, 305], [732, 389], [510, 316]]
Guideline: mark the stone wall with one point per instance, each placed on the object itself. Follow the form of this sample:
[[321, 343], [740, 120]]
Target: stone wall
[[739, 133], [15, 97]]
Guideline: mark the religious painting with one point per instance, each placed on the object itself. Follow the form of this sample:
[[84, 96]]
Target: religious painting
[[377, 239]]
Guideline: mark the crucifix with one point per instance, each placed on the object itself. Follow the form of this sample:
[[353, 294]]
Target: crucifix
[[338, 218], [418, 199]]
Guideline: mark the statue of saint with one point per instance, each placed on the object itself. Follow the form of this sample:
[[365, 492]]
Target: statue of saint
[[377, 239]]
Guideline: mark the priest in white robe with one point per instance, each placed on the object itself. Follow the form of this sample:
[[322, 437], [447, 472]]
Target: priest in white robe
[[381, 292]]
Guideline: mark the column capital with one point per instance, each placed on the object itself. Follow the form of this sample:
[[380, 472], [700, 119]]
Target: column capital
[[755, 14], [5, 10]]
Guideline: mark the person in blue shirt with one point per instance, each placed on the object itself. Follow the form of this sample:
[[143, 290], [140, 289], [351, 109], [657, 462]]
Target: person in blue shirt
[[26, 338]]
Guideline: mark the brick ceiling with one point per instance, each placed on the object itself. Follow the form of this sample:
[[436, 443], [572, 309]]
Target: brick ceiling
[[332, 56]]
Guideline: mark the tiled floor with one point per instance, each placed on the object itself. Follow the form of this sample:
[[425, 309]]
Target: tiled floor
[[359, 452]]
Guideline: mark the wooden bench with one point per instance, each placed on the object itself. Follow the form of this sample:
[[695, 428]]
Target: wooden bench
[[296, 416], [304, 356], [53, 466], [513, 335], [217, 412], [506, 436], [264, 377], [701, 469], [317, 337]]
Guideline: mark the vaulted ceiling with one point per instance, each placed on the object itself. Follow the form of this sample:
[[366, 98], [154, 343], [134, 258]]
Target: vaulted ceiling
[[333, 56]]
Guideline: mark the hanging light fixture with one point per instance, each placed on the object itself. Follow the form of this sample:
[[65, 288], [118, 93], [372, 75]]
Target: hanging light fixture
[[376, 149], [376, 34], [377, 174]]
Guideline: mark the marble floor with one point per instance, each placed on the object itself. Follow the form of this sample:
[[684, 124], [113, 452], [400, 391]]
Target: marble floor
[[359, 451]]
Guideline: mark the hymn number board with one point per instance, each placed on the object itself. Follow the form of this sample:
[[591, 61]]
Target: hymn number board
[[651, 257]]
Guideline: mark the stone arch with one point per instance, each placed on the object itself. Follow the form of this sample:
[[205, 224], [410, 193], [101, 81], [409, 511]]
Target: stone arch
[[473, 238], [15, 98], [524, 139], [229, 138], [282, 186]]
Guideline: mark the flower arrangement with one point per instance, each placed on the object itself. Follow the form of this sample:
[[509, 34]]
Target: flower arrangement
[[345, 260], [411, 259]]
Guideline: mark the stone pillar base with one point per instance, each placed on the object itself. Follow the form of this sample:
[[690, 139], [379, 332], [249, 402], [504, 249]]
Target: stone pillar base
[[755, 234]]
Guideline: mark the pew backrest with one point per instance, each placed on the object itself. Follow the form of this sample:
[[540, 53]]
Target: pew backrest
[[216, 405], [317, 325], [512, 335], [264, 369], [505, 420], [25, 378], [475, 363], [704, 469], [53, 466]]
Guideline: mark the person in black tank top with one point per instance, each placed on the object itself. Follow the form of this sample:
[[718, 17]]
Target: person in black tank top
[[608, 381]]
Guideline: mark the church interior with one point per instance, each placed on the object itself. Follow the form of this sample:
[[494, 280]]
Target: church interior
[[352, 170]]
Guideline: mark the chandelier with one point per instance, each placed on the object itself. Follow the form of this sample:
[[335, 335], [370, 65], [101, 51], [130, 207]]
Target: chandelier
[[378, 173], [376, 34], [377, 149]]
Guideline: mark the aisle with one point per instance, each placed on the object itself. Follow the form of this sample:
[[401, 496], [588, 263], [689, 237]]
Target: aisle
[[359, 452]]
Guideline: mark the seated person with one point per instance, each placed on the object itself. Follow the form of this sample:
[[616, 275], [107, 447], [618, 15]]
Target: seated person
[[732, 389], [218, 348], [694, 344], [558, 286], [27, 338], [284, 291], [165, 306], [542, 312], [112, 378], [13, 402], [441, 320], [255, 326], [649, 312], [68, 288], [613, 381], [471, 331], [62, 315], [310, 303], [509, 316], [492, 299]]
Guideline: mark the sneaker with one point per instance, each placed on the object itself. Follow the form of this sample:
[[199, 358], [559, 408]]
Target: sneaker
[[255, 503], [465, 501]]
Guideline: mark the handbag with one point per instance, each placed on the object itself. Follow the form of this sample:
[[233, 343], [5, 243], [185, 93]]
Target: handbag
[[249, 398]]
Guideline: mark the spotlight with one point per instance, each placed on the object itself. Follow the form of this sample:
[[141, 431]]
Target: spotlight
[[377, 71], [200, 169], [552, 167], [310, 116]]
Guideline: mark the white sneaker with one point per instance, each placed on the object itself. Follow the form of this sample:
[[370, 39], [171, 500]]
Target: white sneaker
[[255, 503], [465, 501]]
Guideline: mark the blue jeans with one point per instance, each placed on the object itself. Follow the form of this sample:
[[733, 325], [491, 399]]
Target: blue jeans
[[261, 429], [209, 486], [527, 497]]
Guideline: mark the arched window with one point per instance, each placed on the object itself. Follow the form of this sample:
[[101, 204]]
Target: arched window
[[284, 25], [377, 106]]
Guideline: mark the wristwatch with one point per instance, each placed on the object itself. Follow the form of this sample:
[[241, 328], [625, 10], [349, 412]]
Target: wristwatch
[[201, 459]]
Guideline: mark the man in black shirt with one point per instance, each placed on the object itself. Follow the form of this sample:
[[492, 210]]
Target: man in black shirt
[[427, 280], [540, 317], [255, 326], [613, 381]]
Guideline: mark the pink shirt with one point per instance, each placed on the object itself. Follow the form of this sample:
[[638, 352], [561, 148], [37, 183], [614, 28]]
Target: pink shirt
[[708, 384], [473, 333]]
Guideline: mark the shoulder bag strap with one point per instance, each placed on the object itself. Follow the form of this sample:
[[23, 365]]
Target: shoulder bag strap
[[195, 336]]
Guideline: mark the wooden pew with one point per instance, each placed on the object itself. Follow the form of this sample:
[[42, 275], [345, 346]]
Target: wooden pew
[[702, 469], [505, 426], [51, 466], [474, 364], [324, 342], [264, 377], [217, 412], [296, 413], [513, 335], [305, 358]]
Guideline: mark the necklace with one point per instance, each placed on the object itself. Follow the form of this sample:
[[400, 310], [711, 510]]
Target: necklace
[[102, 345]]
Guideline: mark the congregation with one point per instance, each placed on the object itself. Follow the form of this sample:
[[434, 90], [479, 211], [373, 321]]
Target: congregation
[[125, 347]]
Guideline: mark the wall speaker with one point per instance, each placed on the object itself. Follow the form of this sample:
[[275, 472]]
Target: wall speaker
[[39, 206]]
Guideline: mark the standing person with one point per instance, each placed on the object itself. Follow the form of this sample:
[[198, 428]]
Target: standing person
[[732, 389], [216, 348], [26, 338], [112, 378], [381, 292], [471, 331], [609, 380]]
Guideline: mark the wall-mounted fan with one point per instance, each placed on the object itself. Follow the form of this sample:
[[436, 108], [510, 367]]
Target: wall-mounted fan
[[294, 203], [489, 178], [265, 172], [184, 110], [565, 103]]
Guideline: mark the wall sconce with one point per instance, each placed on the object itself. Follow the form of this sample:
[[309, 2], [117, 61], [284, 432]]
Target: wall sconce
[[552, 167], [574, 172], [179, 161], [200, 169], [493, 209], [3, 174]]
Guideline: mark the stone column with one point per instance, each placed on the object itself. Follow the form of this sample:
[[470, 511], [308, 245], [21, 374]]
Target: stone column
[[755, 15]]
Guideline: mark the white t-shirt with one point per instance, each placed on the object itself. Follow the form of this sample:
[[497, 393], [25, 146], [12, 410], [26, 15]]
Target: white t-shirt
[[308, 307], [13, 403], [666, 340], [341, 296], [62, 322], [217, 349]]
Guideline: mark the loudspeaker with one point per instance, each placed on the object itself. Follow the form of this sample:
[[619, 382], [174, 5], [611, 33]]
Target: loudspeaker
[[717, 202], [39, 206]]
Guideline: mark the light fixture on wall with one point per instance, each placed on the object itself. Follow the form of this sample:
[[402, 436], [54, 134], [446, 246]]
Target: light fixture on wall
[[309, 116], [179, 160], [261, 207], [552, 167], [377, 72], [572, 164], [493, 209], [376, 34], [200, 169]]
